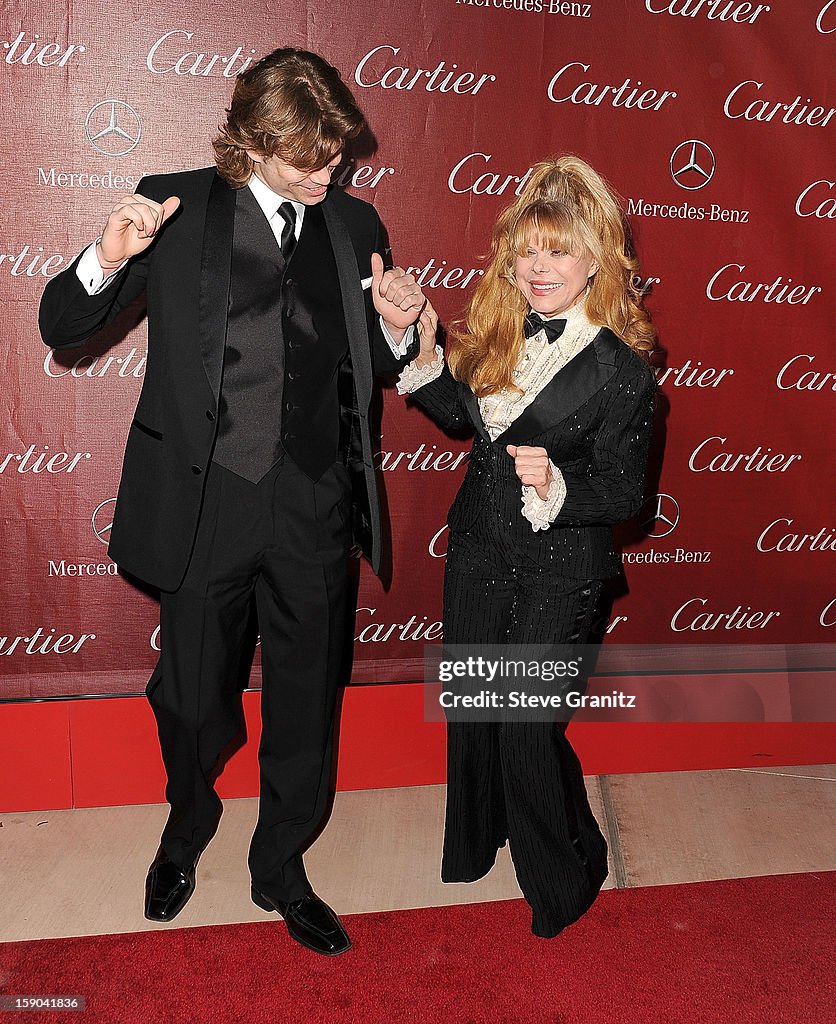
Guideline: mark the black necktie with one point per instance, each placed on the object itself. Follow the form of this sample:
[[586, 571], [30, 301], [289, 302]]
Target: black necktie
[[288, 239], [534, 323]]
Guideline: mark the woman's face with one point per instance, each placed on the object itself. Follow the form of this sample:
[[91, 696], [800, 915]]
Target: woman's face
[[551, 281]]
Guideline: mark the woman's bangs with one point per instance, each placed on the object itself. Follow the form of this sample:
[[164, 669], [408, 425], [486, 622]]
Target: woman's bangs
[[549, 228]]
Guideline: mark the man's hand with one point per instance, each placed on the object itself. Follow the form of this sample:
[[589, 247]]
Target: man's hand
[[396, 296], [131, 227], [532, 467]]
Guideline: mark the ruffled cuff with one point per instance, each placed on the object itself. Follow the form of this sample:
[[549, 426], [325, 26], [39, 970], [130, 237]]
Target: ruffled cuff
[[413, 377], [541, 514]]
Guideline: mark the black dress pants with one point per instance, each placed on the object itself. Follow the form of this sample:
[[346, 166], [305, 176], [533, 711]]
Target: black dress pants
[[278, 547], [520, 781]]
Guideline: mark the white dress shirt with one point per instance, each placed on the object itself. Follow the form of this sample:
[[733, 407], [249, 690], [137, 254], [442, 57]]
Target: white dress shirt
[[91, 275], [270, 201]]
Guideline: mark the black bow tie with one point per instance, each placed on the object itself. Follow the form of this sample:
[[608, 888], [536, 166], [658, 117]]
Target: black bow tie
[[534, 323]]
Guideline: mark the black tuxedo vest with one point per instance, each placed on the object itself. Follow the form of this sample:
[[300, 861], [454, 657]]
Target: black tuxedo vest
[[286, 339], [250, 417]]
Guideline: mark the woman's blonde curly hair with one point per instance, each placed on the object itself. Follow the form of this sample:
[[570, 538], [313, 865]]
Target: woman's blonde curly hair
[[565, 205]]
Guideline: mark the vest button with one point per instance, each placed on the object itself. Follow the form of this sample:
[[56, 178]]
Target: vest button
[[292, 376], [287, 436], [197, 470], [289, 282], [289, 406], [210, 415]]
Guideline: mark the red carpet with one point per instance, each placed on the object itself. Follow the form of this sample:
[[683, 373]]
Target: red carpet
[[745, 951]]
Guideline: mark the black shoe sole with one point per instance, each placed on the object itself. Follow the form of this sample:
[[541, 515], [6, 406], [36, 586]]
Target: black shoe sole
[[262, 902], [161, 920]]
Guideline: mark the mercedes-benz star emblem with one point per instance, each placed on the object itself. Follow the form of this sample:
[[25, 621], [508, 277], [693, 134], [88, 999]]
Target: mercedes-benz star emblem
[[113, 128], [660, 515], [692, 164], [103, 520]]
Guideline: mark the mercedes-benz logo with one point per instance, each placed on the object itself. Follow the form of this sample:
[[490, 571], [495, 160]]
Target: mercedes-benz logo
[[660, 515], [102, 520], [113, 128], [692, 164]]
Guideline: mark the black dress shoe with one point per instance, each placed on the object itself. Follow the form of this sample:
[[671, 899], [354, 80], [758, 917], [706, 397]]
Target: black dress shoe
[[310, 921], [167, 888]]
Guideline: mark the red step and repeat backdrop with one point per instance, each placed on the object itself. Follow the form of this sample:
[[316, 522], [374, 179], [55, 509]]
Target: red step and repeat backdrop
[[712, 119]]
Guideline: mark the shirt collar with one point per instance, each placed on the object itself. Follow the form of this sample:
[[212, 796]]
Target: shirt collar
[[270, 201]]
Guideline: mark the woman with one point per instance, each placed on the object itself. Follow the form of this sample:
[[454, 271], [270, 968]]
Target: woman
[[548, 368]]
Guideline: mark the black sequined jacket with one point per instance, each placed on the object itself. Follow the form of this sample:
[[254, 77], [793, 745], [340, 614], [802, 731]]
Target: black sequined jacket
[[594, 418]]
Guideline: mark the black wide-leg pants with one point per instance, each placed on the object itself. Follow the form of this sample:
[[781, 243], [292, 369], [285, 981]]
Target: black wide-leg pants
[[278, 549], [520, 781]]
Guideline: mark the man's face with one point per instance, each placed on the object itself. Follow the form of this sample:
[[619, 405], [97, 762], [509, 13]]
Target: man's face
[[308, 187]]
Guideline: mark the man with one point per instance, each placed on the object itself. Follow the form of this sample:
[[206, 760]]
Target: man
[[268, 309]]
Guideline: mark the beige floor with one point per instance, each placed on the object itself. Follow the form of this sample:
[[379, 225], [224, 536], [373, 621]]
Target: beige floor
[[81, 872]]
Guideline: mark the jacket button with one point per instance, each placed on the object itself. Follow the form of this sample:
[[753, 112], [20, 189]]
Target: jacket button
[[210, 415], [289, 282], [197, 470]]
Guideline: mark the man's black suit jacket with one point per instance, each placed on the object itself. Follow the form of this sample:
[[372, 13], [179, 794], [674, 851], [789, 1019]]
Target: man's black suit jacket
[[186, 276], [594, 418]]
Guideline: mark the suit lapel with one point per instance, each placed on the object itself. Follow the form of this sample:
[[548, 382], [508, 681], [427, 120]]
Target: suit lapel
[[215, 261], [567, 391], [471, 403], [353, 303]]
